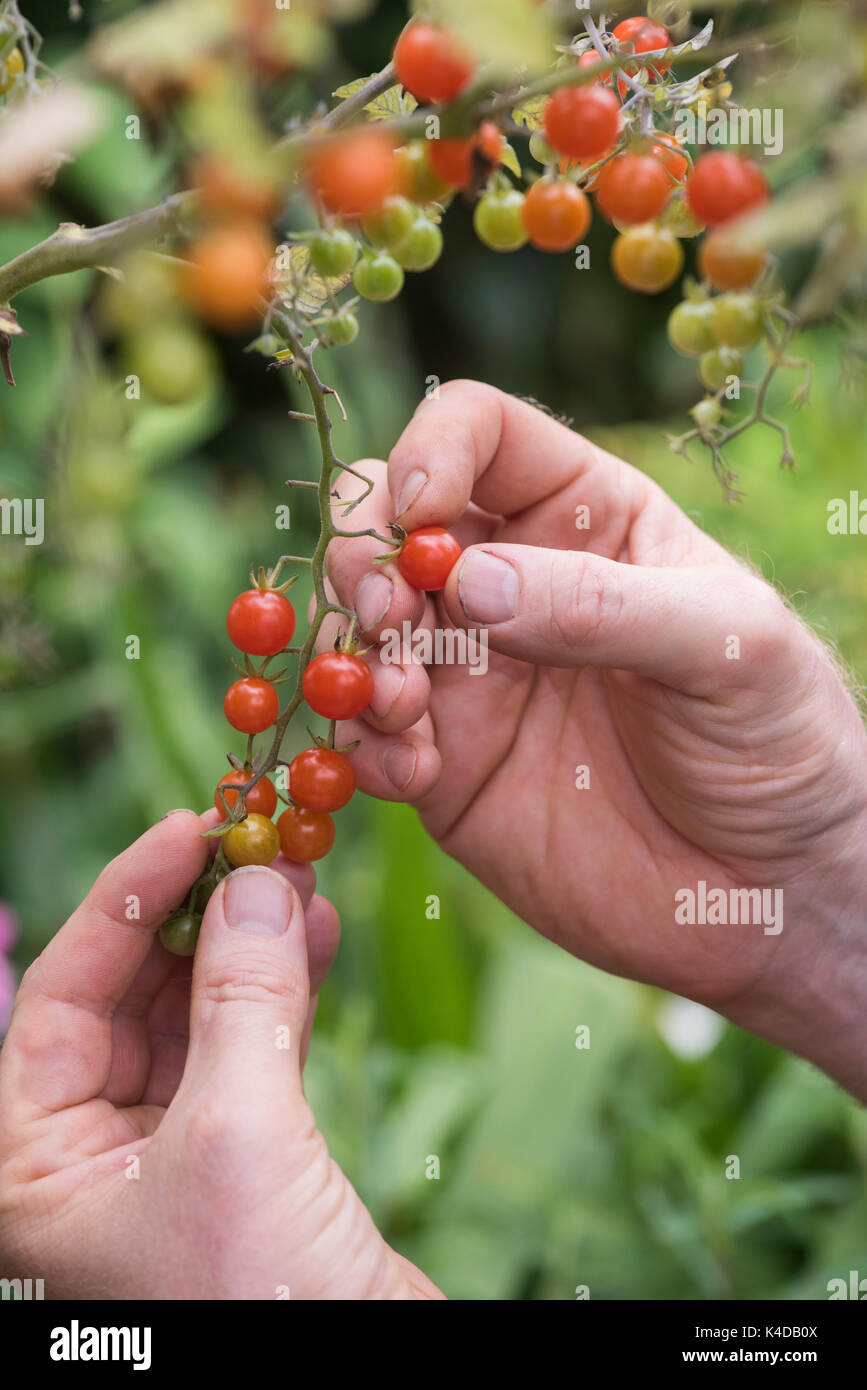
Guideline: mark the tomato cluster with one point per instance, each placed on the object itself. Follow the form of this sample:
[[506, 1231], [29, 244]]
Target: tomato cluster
[[379, 206]]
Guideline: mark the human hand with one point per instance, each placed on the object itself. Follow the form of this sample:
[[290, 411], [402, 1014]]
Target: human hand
[[155, 1141], [721, 742]]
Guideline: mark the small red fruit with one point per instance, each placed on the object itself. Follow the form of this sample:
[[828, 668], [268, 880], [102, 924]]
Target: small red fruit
[[428, 557], [321, 779], [262, 798], [353, 174], [338, 685], [251, 705], [453, 160], [305, 835], [431, 64], [261, 622], [556, 215], [633, 188], [723, 185], [582, 122]]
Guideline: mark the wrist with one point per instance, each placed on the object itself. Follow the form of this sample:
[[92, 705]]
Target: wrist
[[812, 998]]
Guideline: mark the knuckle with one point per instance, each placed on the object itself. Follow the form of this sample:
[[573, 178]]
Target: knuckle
[[595, 604], [237, 982]]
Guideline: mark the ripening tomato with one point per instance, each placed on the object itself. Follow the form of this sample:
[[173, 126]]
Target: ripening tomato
[[353, 173], [582, 122], [261, 622], [338, 685], [251, 705], [226, 189], [723, 185], [453, 161], [671, 158], [305, 835], [321, 779], [428, 557], [646, 258], [225, 275], [632, 188], [726, 265], [431, 63], [416, 179], [262, 798], [254, 841], [641, 36], [556, 215]]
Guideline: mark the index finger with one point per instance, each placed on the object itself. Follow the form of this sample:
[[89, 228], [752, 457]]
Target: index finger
[[475, 443], [59, 1048]]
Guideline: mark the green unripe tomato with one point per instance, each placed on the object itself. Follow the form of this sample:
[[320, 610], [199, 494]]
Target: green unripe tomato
[[342, 330], [417, 178], [716, 366], [181, 932], [707, 413], [737, 320], [541, 151], [172, 361], [333, 253], [390, 224], [423, 246], [499, 222], [677, 216], [691, 327], [378, 277]]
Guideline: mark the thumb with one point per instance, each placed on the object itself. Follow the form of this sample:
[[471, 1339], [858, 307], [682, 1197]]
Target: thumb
[[250, 987], [568, 608]]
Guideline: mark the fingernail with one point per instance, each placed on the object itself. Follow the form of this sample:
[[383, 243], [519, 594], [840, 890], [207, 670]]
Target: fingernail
[[412, 486], [372, 598], [488, 588], [177, 811], [398, 764], [257, 901], [388, 682]]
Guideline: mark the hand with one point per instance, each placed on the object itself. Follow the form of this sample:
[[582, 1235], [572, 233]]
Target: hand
[[721, 743], [118, 1051]]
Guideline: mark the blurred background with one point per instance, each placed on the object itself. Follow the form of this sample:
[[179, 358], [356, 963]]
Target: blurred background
[[450, 1038]]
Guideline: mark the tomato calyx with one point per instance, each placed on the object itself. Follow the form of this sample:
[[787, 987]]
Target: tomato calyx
[[266, 579]]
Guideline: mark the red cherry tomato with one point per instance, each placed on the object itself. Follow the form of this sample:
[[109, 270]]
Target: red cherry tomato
[[556, 215], [354, 173], [452, 160], [431, 64], [642, 36], [305, 835], [338, 685], [633, 188], [262, 799], [428, 557], [321, 779], [723, 185], [671, 158], [261, 622], [582, 122], [251, 705]]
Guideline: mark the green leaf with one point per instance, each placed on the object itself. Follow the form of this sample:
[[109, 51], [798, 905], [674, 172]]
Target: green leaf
[[303, 286], [394, 102], [510, 160]]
